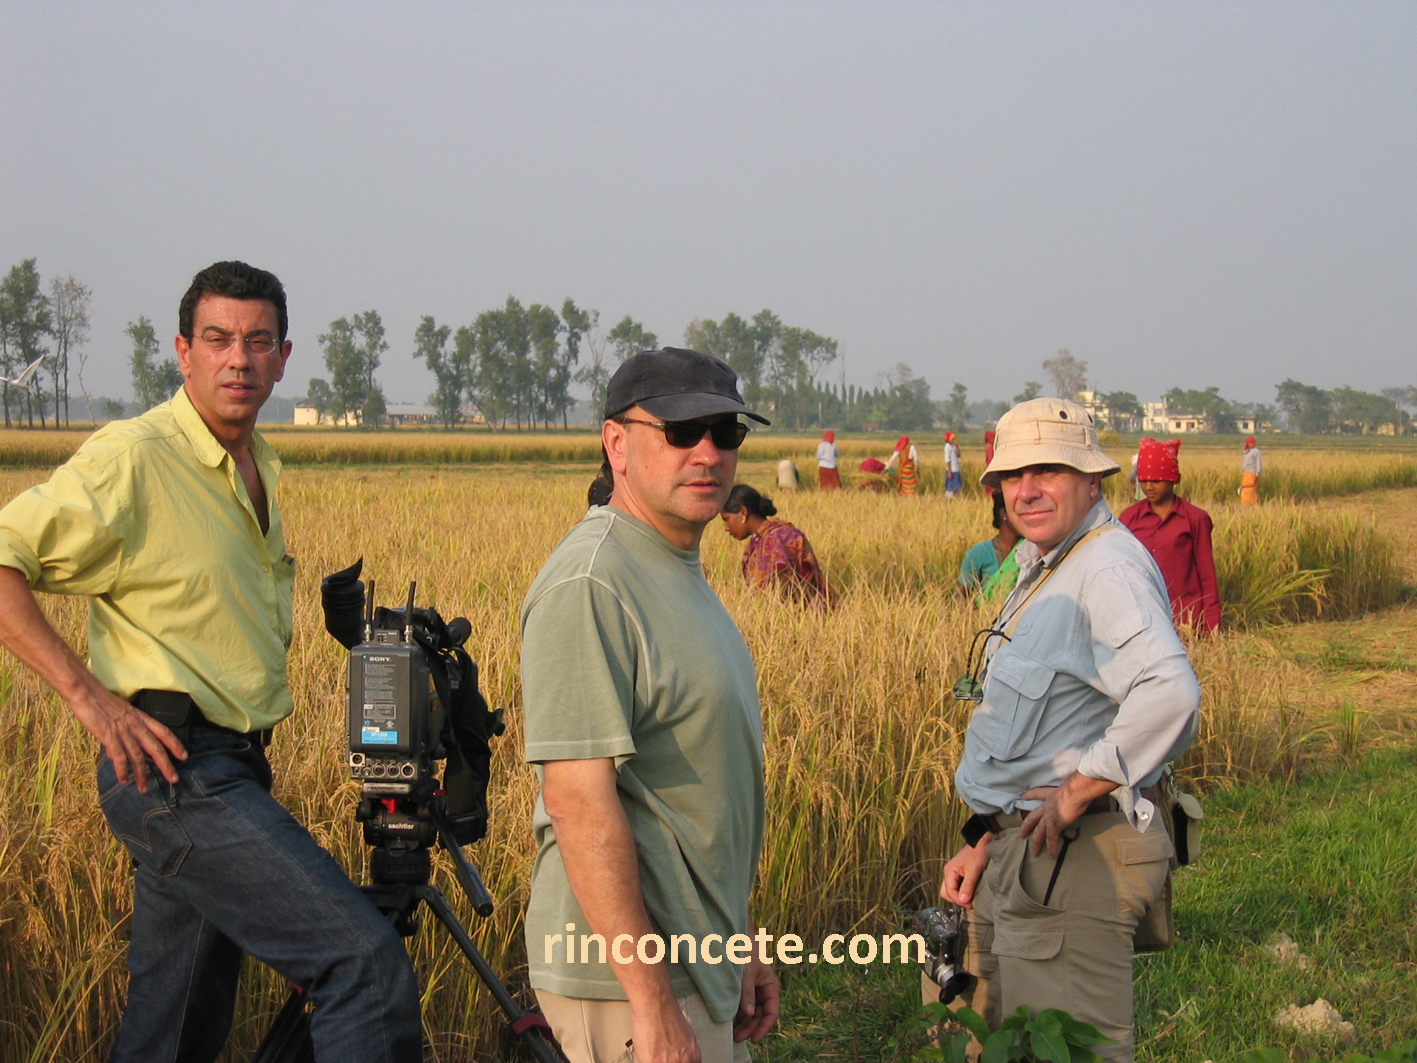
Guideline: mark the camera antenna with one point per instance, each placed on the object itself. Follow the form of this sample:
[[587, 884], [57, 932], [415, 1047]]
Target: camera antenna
[[408, 613], [369, 614]]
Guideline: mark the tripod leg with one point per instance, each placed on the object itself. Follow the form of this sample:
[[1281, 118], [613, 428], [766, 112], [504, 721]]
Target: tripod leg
[[288, 1039], [537, 1035]]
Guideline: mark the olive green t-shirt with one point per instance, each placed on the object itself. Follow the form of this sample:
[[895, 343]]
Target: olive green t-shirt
[[628, 653]]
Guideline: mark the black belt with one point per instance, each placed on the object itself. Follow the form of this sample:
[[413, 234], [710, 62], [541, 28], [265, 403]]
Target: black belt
[[976, 826], [179, 713]]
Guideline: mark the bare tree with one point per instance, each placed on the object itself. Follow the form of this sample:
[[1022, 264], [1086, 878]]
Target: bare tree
[[69, 327], [595, 373], [1069, 375]]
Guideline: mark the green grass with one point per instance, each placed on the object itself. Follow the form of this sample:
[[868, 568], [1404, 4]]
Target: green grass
[[1329, 861]]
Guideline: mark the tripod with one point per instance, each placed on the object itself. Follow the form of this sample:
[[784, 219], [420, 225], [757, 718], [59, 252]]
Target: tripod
[[401, 884]]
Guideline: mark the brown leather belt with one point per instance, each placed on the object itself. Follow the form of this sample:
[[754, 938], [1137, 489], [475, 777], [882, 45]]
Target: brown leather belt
[[1001, 821]]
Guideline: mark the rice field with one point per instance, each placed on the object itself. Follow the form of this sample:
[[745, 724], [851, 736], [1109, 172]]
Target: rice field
[[861, 733]]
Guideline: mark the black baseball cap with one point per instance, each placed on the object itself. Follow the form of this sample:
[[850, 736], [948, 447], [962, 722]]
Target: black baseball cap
[[676, 385]]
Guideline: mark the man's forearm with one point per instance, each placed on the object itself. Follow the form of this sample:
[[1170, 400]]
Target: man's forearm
[[1079, 790], [602, 866], [128, 736], [26, 632]]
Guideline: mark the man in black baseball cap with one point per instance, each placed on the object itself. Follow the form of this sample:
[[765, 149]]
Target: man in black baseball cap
[[629, 659], [677, 385]]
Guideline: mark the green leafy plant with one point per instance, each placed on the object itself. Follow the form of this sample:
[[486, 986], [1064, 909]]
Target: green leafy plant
[[1050, 1036]]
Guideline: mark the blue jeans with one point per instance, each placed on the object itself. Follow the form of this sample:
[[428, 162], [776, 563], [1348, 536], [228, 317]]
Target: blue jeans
[[222, 870]]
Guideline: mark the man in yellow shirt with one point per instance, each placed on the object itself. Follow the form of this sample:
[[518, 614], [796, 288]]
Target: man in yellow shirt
[[168, 524]]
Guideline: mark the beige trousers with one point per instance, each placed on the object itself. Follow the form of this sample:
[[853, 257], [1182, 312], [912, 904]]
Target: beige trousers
[[598, 1031], [1075, 953]]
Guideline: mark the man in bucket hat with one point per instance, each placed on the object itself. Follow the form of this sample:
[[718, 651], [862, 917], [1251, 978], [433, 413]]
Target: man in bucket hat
[[642, 720], [1086, 694]]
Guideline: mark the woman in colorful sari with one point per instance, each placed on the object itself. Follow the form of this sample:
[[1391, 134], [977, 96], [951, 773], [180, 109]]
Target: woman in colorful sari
[[777, 554], [906, 463]]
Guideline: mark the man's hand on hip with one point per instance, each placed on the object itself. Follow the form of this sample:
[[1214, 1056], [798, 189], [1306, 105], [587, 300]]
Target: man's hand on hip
[[963, 872], [1062, 807], [128, 736], [758, 1002], [661, 1034]]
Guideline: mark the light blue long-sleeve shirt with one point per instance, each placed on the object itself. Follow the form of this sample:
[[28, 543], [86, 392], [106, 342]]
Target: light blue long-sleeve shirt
[[1094, 680]]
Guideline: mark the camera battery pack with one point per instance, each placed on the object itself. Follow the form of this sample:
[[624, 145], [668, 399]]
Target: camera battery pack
[[389, 691]]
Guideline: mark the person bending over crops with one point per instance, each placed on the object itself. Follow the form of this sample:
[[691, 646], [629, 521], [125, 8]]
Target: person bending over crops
[[1086, 694], [777, 554], [642, 718], [875, 476], [1177, 534], [168, 523], [601, 488], [990, 567]]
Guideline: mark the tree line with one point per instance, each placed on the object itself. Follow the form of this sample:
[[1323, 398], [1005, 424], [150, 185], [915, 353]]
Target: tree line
[[515, 364]]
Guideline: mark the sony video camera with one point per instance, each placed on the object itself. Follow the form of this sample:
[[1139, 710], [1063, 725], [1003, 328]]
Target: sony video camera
[[944, 930], [412, 701]]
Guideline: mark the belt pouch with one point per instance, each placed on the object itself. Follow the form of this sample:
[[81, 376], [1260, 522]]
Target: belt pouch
[[173, 708]]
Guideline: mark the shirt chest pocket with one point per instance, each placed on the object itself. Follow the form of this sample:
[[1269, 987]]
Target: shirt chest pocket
[[1007, 719]]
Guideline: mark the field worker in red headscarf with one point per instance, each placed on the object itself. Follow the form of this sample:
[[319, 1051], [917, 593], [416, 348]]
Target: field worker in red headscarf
[[952, 480], [906, 464], [1177, 534], [828, 479]]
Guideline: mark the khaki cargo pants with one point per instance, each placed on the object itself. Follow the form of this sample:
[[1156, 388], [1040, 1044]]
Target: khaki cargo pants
[[1076, 952], [596, 1031]]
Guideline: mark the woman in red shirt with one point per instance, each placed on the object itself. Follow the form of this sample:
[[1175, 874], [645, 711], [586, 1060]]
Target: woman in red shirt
[[1177, 534]]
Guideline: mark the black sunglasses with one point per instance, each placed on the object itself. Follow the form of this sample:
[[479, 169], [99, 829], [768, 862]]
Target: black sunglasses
[[727, 435]]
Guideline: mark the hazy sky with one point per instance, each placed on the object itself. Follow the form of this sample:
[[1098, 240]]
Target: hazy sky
[[1182, 194]]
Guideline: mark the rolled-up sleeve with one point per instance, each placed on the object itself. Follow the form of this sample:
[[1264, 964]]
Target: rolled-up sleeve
[[1143, 667], [67, 535]]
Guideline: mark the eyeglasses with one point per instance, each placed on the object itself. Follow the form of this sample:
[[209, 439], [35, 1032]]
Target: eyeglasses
[[256, 343], [727, 435]]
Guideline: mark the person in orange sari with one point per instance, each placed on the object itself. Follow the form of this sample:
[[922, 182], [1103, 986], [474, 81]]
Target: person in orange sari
[[1250, 471], [906, 462], [777, 553]]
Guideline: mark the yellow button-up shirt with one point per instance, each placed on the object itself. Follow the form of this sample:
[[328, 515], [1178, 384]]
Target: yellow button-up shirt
[[151, 520]]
